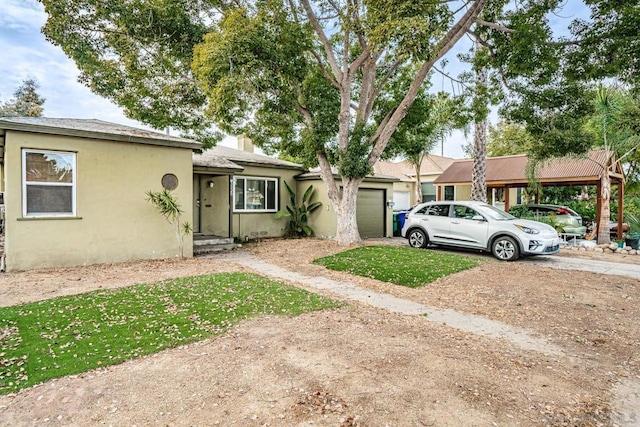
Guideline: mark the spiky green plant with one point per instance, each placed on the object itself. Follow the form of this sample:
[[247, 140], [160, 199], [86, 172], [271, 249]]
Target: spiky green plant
[[169, 207], [298, 214]]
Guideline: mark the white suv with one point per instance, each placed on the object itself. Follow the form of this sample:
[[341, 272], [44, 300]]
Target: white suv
[[477, 225]]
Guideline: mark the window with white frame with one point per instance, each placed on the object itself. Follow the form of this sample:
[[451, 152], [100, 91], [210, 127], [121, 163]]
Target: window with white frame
[[48, 183], [253, 194]]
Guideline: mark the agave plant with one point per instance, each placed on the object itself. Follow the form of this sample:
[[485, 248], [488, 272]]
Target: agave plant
[[298, 214]]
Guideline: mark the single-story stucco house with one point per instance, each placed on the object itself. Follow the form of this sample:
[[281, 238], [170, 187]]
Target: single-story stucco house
[[74, 193]]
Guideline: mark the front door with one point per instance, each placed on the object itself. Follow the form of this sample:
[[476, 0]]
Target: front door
[[196, 203]]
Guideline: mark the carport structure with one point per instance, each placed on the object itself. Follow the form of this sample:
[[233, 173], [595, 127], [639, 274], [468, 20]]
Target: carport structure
[[509, 172]]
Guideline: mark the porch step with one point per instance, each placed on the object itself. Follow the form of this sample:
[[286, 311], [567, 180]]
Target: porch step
[[204, 240], [207, 249]]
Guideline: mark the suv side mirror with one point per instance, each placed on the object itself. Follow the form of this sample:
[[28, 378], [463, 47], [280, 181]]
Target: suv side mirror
[[478, 218]]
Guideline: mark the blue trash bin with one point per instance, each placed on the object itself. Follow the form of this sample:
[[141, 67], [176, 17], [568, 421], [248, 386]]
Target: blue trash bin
[[401, 218]]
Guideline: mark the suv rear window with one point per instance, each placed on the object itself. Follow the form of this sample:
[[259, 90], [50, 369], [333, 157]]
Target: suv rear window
[[437, 210]]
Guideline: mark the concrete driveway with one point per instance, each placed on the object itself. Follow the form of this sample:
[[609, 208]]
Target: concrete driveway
[[559, 262], [584, 264]]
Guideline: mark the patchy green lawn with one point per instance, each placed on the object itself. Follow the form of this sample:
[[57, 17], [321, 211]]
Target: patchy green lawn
[[68, 335], [400, 265]]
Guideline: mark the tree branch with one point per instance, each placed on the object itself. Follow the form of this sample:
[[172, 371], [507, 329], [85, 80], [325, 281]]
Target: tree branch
[[495, 26], [448, 76], [383, 123], [450, 39], [483, 42], [325, 72], [390, 71], [313, 19]]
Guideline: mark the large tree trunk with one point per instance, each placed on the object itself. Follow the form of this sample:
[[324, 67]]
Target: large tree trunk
[[605, 206], [344, 203], [479, 174], [347, 228], [418, 166]]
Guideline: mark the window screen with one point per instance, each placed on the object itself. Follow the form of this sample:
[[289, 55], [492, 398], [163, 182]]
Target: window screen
[[48, 183]]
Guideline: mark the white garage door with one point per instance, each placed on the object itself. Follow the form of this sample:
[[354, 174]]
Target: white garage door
[[370, 213], [401, 200]]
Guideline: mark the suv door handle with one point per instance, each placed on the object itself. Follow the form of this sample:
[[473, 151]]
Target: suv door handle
[[455, 222]]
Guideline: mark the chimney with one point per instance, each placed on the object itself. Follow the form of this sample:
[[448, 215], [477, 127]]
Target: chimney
[[245, 144]]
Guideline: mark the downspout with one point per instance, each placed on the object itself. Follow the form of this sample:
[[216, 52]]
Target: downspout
[[230, 233]]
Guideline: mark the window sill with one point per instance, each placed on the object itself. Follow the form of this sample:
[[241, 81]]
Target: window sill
[[254, 211], [38, 218]]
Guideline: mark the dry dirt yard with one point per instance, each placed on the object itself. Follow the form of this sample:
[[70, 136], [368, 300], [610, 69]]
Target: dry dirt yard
[[357, 365]]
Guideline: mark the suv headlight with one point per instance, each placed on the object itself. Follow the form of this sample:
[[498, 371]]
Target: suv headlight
[[527, 230]]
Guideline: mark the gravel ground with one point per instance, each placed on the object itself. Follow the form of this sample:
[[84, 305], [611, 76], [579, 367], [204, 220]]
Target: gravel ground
[[358, 365]]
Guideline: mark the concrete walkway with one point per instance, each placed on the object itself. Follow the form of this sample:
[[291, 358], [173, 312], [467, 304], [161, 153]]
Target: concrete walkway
[[464, 322], [589, 265]]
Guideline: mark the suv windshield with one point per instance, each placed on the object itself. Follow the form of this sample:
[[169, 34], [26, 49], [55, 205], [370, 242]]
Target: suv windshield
[[495, 213]]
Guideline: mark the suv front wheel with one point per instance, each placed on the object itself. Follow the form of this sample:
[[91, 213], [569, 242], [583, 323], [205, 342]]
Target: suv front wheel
[[505, 248], [417, 238]]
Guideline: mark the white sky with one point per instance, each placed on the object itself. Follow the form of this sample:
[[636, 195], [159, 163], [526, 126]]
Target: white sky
[[26, 53]]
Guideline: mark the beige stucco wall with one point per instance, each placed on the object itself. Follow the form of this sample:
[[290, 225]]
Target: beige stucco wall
[[463, 192], [324, 222], [248, 225], [114, 222]]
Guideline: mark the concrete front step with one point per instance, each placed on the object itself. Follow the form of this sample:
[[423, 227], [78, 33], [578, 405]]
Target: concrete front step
[[208, 241], [207, 249]]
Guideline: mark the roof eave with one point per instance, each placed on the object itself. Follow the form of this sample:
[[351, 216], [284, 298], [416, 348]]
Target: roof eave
[[266, 164], [52, 130], [216, 170], [314, 176]]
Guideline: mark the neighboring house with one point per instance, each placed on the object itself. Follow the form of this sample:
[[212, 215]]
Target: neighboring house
[[404, 190], [74, 192], [507, 178]]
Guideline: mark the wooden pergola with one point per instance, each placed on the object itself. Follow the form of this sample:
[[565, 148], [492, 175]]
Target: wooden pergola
[[510, 172]]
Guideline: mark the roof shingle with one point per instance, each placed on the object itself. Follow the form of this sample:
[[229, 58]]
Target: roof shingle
[[93, 128]]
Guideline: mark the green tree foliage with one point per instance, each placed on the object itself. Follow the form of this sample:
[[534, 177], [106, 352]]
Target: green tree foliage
[[554, 100], [430, 119], [302, 77], [138, 53], [606, 45], [508, 139], [25, 102]]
